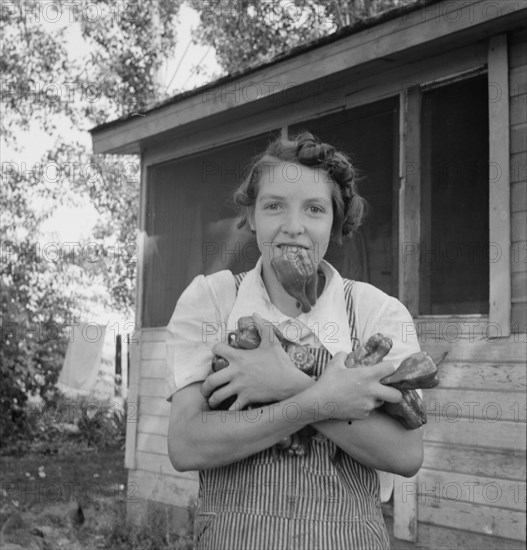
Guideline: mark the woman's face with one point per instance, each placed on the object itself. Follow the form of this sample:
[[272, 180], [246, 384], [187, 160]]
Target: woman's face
[[293, 206]]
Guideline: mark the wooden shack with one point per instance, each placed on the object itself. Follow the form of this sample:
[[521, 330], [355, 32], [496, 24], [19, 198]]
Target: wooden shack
[[430, 101]]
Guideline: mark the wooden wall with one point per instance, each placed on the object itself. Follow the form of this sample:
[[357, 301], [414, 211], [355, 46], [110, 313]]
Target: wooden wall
[[473, 477], [152, 477], [471, 489]]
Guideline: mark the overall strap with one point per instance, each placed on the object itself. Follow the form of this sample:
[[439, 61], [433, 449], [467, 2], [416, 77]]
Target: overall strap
[[238, 280], [348, 287]]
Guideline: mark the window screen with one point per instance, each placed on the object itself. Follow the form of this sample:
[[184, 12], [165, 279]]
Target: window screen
[[191, 225], [369, 135], [455, 199]]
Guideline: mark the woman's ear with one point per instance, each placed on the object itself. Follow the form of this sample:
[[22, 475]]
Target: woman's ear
[[250, 220]]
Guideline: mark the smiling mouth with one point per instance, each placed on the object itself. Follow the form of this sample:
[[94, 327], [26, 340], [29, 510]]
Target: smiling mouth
[[292, 246]]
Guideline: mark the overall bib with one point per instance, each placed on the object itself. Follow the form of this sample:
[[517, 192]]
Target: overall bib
[[324, 500]]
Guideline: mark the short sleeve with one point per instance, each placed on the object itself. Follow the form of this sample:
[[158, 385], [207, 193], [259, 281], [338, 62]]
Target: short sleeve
[[376, 311], [193, 329]]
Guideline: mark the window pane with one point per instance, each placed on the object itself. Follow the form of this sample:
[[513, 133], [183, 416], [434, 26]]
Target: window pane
[[455, 199], [191, 224]]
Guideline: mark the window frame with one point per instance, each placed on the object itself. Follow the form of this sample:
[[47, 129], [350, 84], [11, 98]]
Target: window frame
[[497, 323]]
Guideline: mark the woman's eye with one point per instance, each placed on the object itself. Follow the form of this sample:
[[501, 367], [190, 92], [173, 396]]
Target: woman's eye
[[272, 206], [315, 209]]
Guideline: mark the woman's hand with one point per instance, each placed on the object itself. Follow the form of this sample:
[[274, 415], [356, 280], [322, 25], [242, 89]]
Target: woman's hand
[[263, 375], [351, 394]]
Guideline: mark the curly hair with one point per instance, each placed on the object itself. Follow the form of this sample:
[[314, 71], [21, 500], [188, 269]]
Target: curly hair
[[349, 207]]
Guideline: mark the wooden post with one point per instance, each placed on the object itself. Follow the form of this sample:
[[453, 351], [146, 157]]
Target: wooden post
[[499, 186], [405, 508], [404, 498], [410, 199]]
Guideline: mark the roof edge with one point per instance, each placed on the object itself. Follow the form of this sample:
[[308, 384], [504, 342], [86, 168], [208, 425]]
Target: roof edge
[[344, 32]]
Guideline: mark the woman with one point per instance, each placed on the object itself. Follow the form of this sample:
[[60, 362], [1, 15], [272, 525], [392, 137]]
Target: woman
[[299, 193]]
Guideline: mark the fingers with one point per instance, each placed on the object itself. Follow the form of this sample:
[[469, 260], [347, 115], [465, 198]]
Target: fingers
[[223, 350], [238, 405], [380, 370], [220, 395], [265, 330], [391, 395], [214, 381]]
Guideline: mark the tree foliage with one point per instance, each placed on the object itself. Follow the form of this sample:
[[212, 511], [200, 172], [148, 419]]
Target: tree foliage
[[33, 65], [247, 33], [44, 84], [130, 43]]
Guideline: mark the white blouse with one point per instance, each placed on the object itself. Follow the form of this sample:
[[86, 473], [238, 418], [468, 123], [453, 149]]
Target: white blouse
[[209, 308]]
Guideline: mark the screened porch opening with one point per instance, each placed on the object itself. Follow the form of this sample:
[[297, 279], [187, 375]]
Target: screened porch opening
[[190, 224], [455, 251]]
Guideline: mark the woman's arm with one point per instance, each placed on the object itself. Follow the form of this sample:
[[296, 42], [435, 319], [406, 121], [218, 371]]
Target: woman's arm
[[266, 374], [377, 440], [200, 438]]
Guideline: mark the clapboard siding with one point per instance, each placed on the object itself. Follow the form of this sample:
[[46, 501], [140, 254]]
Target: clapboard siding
[[152, 443], [156, 463], [153, 351], [517, 81], [519, 317], [154, 406], [519, 286], [154, 369], [519, 138], [153, 387], [153, 335], [451, 428], [153, 424], [177, 490], [503, 350], [519, 226], [519, 195], [519, 256], [507, 465], [473, 517], [487, 491], [491, 406], [483, 376], [436, 537], [518, 115]]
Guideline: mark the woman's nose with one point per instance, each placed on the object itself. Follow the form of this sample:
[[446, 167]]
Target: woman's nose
[[293, 224]]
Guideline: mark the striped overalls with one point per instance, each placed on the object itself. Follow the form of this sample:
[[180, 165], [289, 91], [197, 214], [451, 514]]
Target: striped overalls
[[272, 500]]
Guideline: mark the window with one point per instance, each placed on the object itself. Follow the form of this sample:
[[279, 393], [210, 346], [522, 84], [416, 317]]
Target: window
[[455, 251], [191, 225]]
